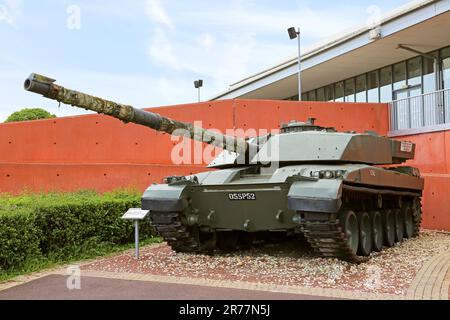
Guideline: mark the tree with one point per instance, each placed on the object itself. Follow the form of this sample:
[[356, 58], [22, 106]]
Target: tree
[[30, 114]]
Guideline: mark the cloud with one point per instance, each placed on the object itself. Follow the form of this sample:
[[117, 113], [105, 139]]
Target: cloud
[[157, 14], [228, 41], [160, 50], [10, 10], [205, 40]]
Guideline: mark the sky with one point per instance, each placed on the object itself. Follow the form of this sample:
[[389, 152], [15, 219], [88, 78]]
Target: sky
[[147, 53]]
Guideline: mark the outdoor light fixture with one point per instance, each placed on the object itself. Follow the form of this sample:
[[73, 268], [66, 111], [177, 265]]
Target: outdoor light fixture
[[295, 34], [198, 84], [292, 33]]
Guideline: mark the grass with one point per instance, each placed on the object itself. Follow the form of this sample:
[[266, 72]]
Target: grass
[[89, 250]]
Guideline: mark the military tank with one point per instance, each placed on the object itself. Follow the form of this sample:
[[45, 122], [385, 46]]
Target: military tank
[[341, 190]]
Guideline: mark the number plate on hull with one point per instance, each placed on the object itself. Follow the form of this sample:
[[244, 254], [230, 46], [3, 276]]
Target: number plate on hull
[[242, 196]]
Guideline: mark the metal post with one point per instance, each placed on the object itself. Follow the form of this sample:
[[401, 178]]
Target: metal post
[[299, 67], [199, 95], [136, 238]]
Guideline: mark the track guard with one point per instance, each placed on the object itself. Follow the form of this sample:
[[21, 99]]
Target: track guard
[[303, 196], [164, 198]]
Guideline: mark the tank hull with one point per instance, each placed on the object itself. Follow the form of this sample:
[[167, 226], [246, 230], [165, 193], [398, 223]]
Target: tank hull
[[288, 200]]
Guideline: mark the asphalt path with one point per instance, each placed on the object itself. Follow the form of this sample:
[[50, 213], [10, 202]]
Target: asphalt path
[[54, 287]]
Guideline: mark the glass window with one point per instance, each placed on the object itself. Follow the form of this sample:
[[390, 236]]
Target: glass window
[[329, 93], [361, 88], [372, 87], [399, 75], [304, 97], [321, 94], [415, 71], [386, 84], [445, 54], [312, 95], [339, 92], [350, 90], [429, 77]]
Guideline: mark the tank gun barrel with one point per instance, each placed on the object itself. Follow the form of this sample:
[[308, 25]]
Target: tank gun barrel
[[46, 86]]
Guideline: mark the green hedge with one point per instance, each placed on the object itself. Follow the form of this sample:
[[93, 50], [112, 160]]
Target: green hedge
[[58, 224]]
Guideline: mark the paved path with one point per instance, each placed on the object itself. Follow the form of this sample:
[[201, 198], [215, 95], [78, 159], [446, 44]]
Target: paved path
[[432, 281], [53, 287]]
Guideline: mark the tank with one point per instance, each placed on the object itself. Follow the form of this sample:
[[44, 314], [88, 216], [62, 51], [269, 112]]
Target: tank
[[344, 191]]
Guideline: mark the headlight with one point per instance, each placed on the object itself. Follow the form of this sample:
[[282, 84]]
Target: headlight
[[328, 174], [315, 174]]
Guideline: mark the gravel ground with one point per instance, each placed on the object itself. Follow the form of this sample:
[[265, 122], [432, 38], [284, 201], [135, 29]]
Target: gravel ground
[[291, 263]]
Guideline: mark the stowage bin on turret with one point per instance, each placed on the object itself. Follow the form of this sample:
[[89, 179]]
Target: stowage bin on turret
[[329, 186]]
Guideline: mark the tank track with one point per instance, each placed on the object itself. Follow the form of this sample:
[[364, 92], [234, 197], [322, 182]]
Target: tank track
[[417, 215], [328, 239], [179, 237]]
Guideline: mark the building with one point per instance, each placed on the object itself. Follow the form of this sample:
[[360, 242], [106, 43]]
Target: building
[[404, 60]]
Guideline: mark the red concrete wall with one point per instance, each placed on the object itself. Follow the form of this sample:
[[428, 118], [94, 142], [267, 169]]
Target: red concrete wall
[[101, 153], [432, 157]]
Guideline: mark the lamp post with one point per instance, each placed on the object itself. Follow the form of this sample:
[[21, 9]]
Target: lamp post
[[295, 34], [198, 84]]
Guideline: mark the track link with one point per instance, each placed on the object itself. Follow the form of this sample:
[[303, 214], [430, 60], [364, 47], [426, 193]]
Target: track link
[[179, 237], [328, 239]]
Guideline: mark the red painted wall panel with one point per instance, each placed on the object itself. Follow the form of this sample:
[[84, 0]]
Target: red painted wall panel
[[432, 158], [358, 117], [431, 152], [436, 202], [100, 177], [94, 138]]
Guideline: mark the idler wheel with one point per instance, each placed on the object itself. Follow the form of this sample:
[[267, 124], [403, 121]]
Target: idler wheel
[[399, 225], [409, 223], [377, 231], [389, 227], [349, 225]]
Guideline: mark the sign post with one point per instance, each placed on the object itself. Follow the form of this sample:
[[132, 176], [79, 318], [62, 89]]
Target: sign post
[[136, 215]]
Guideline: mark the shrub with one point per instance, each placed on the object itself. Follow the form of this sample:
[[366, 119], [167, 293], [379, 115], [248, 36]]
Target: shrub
[[19, 238], [30, 114], [56, 224]]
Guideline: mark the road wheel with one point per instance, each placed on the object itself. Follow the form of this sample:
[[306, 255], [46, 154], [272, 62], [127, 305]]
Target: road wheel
[[399, 225], [409, 223], [365, 234], [377, 231], [349, 225], [389, 227]]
